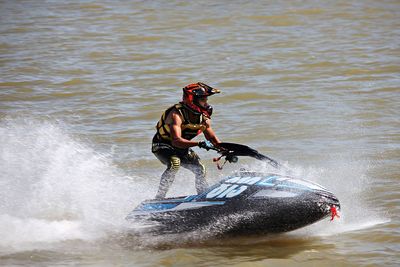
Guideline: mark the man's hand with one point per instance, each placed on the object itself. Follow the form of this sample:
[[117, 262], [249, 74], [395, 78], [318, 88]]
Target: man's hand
[[206, 145]]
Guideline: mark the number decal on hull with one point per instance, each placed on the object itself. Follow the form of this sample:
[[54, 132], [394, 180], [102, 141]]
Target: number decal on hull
[[226, 191]]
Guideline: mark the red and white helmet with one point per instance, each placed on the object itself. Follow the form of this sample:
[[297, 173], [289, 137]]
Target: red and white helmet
[[194, 91]]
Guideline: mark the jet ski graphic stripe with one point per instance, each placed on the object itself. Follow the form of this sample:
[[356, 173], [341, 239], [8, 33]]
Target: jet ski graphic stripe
[[195, 205], [158, 206], [167, 207]]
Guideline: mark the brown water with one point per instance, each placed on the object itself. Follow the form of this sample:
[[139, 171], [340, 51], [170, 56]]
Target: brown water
[[313, 84]]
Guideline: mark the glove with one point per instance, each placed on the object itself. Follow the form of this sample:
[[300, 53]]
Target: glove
[[206, 145]]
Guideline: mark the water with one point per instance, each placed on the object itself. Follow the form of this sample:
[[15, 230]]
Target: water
[[312, 84]]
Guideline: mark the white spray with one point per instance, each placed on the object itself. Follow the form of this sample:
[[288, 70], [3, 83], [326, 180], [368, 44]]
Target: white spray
[[54, 188]]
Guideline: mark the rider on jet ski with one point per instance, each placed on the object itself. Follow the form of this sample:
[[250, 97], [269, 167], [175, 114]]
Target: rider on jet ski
[[178, 125]]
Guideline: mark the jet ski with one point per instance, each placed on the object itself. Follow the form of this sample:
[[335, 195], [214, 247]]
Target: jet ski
[[244, 202]]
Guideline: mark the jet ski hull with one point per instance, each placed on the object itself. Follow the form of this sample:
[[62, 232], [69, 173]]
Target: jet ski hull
[[246, 202]]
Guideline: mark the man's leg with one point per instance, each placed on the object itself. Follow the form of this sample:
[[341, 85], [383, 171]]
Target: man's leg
[[168, 176], [193, 163], [168, 156]]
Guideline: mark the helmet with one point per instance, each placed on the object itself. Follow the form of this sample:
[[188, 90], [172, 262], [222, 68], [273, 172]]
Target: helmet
[[193, 92]]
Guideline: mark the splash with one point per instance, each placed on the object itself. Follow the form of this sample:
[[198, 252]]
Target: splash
[[55, 188]]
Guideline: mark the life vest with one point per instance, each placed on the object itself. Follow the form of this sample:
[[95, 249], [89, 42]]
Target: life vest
[[191, 125]]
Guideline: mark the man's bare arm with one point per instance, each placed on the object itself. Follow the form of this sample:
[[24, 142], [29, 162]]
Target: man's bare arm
[[176, 133], [210, 134]]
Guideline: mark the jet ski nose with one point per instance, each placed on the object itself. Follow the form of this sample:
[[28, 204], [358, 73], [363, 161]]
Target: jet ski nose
[[327, 200]]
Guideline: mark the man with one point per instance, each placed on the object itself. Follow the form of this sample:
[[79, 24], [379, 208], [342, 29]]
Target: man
[[178, 125]]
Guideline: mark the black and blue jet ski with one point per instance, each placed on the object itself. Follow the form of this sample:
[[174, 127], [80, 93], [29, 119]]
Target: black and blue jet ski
[[244, 202]]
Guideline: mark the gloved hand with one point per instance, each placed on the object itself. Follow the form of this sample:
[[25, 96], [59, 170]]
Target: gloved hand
[[206, 145]]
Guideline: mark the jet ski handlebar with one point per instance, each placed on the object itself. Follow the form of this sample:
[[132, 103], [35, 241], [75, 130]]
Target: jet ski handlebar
[[231, 151]]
